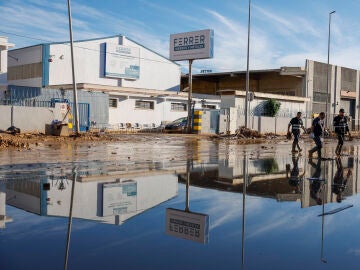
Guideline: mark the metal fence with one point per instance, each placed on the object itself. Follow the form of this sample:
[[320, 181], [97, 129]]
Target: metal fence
[[27, 103]]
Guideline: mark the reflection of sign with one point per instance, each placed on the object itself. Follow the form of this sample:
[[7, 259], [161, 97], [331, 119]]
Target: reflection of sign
[[119, 198], [192, 45], [187, 225], [122, 62]]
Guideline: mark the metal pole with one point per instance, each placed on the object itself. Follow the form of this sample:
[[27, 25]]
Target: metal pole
[[189, 98], [243, 213], [187, 202], [70, 219], [247, 71], [327, 73], [76, 110]]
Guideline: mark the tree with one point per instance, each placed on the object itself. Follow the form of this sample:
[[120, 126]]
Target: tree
[[272, 107]]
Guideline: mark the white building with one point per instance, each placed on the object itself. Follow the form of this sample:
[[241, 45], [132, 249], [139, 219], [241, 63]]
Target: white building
[[4, 46], [142, 86]]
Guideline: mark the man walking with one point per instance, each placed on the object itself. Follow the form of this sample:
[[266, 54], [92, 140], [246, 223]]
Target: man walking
[[296, 123], [341, 128], [317, 129]]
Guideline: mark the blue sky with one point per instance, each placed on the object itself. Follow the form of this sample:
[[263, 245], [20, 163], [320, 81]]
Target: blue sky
[[284, 33]]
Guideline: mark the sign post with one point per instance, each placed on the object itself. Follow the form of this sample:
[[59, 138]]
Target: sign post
[[190, 46]]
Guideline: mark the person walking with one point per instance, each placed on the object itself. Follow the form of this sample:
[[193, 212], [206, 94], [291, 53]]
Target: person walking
[[341, 128], [296, 124], [317, 129]]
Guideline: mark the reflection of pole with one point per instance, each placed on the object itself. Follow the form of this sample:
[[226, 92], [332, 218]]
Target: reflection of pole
[[76, 110], [70, 218], [243, 214], [189, 98], [323, 222], [187, 204]]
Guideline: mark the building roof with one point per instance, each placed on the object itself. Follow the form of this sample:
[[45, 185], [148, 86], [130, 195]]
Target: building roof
[[239, 93], [140, 92], [291, 71]]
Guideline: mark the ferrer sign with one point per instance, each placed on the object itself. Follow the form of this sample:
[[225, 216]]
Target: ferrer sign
[[192, 45], [187, 225], [122, 62]]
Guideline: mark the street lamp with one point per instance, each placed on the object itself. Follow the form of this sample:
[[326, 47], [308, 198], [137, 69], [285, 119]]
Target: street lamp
[[327, 73], [247, 70]]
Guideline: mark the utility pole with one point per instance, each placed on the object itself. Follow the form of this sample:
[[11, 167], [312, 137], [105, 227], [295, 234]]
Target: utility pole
[[247, 71], [76, 110], [327, 73], [189, 98]]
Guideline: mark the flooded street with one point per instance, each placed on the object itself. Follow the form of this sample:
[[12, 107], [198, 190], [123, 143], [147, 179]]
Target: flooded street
[[173, 202]]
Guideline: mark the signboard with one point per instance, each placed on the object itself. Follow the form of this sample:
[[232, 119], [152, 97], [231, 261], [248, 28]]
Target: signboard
[[119, 198], [187, 225], [192, 45], [122, 62]]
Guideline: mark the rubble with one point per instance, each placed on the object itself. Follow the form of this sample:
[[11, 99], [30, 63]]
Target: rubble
[[244, 132]]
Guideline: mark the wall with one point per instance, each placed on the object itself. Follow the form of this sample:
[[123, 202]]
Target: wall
[[127, 113], [156, 72], [162, 112], [28, 118], [22, 65]]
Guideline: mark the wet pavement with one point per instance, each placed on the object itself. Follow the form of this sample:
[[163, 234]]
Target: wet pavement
[[178, 203]]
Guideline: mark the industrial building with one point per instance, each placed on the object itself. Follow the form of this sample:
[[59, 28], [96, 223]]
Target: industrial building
[[4, 46], [122, 81], [308, 82]]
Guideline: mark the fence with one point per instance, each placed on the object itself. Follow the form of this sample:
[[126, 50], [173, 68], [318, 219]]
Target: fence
[[26, 102]]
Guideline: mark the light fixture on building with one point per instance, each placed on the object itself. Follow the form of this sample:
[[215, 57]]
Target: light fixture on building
[[61, 57]]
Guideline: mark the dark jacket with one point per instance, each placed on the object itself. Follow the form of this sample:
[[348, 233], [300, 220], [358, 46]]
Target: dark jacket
[[318, 125], [340, 125]]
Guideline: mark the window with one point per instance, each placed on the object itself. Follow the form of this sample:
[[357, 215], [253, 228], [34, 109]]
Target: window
[[179, 107], [144, 105], [207, 106], [113, 102], [320, 97]]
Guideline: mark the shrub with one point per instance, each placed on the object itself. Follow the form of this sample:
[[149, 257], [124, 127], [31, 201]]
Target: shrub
[[272, 107]]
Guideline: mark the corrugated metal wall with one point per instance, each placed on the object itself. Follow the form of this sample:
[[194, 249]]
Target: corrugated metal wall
[[99, 102]]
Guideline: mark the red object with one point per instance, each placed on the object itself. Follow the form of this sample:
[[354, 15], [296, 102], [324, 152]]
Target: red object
[[50, 60]]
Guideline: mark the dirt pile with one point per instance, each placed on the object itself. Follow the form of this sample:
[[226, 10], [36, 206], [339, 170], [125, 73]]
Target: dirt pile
[[13, 141], [246, 133]]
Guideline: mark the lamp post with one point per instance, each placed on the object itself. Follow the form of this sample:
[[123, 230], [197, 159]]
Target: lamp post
[[327, 73], [247, 70]]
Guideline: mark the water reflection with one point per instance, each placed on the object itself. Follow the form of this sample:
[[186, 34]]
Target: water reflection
[[114, 193]]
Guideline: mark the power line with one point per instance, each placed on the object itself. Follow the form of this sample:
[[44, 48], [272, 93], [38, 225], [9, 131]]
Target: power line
[[81, 47], [110, 53]]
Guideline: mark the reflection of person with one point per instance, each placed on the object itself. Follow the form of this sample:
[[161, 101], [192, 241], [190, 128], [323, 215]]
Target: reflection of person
[[341, 128], [317, 128], [294, 177], [316, 186], [296, 123], [340, 181]]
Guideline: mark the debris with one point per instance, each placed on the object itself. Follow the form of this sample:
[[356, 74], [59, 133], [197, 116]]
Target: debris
[[244, 132]]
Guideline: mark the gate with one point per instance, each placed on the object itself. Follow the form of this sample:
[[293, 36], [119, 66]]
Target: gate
[[84, 115], [214, 121]]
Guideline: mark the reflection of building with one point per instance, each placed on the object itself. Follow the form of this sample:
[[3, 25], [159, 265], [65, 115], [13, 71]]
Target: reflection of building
[[3, 217], [118, 203], [267, 177]]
